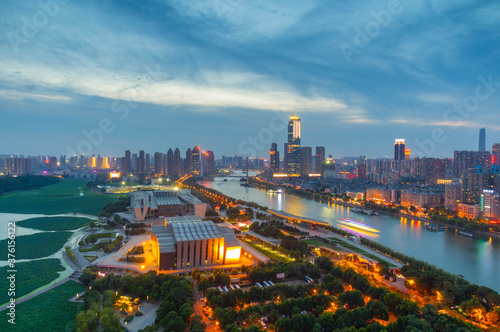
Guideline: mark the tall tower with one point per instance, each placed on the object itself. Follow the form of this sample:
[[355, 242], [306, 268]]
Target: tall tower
[[320, 159], [482, 140], [170, 162], [196, 165], [274, 158], [294, 145], [399, 150]]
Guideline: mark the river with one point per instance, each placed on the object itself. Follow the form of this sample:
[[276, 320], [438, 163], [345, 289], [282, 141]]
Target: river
[[478, 259]]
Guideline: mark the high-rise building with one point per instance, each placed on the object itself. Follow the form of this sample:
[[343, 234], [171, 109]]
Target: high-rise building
[[196, 165], [320, 159], [407, 154], [274, 158], [126, 163], [188, 162], [177, 162], [399, 149], [170, 162], [142, 162], [490, 204], [294, 145], [305, 160], [362, 171], [453, 195], [482, 140], [286, 158], [496, 148], [158, 161], [208, 162]]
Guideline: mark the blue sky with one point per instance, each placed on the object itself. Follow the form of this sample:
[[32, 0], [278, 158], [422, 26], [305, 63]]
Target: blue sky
[[218, 73]]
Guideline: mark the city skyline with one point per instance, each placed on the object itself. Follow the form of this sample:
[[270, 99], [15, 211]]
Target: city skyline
[[184, 80]]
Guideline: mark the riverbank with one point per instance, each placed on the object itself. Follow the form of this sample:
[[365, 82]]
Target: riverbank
[[265, 186]]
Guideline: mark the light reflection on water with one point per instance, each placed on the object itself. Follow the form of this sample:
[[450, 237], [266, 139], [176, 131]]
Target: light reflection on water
[[477, 259]]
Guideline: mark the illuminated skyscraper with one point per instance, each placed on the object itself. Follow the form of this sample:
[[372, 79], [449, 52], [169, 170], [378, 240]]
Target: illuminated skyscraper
[[196, 165], [294, 145], [274, 158], [482, 140]]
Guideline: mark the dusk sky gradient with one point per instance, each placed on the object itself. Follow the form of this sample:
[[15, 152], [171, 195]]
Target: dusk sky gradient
[[178, 73]]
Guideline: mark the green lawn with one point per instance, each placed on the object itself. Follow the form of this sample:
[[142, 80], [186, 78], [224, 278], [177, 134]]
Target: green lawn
[[54, 223], [36, 245], [278, 257], [30, 276], [49, 311], [63, 197]]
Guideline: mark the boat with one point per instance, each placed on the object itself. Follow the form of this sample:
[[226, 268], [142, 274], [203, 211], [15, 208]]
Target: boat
[[358, 224], [279, 191], [434, 227], [225, 179], [464, 233]]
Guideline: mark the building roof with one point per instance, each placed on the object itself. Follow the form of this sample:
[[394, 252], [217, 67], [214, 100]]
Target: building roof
[[167, 198], [189, 228], [153, 199]]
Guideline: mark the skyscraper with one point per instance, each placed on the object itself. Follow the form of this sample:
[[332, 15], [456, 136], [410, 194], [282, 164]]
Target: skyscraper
[[399, 149], [126, 163], [305, 160], [286, 157], [294, 145], [142, 162], [170, 162], [177, 162], [274, 158], [320, 159], [158, 161], [188, 162], [196, 167], [482, 139]]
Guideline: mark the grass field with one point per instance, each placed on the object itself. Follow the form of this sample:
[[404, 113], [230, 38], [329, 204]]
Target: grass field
[[49, 311], [90, 258], [30, 276], [64, 197], [275, 256], [37, 245], [54, 223]]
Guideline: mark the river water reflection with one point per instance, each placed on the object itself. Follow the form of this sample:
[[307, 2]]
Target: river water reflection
[[478, 259]]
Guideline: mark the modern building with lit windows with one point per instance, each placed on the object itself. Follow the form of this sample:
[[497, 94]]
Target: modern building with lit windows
[[188, 242], [166, 203], [293, 146]]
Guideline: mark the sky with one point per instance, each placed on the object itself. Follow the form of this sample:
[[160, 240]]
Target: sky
[[98, 77]]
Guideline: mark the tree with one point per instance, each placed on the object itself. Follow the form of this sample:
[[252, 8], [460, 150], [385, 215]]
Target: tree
[[413, 209], [353, 299], [377, 310], [185, 311], [204, 284], [196, 275], [324, 263], [233, 272]]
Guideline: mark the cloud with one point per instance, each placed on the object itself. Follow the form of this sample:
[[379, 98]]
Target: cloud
[[20, 96]]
